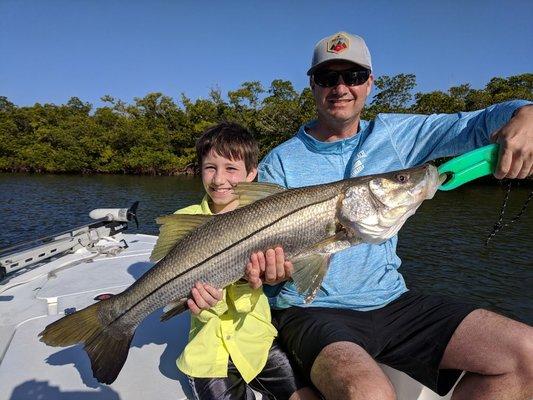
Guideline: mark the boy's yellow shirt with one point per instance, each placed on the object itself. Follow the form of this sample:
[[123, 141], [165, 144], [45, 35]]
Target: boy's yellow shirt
[[238, 326]]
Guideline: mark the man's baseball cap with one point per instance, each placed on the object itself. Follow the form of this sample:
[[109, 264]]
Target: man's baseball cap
[[341, 46]]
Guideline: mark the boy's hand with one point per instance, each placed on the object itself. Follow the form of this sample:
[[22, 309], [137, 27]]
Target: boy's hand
[[204, 296], [269, 267], [516, 145]]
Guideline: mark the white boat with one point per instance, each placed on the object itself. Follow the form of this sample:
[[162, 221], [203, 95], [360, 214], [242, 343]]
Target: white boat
[[68, 272]]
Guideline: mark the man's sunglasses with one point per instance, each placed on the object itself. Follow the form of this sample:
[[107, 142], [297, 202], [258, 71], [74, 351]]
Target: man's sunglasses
[[350, 77]]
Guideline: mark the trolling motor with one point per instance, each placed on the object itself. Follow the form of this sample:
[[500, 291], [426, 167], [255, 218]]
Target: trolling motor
[[116, 214], [109, 222]]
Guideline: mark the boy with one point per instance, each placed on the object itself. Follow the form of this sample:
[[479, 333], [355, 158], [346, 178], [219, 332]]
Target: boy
[[231, 345]]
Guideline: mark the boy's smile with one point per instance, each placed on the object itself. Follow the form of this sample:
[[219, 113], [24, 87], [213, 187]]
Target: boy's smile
[[219, 175]]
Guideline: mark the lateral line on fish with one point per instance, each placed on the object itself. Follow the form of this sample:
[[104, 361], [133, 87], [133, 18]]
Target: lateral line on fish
[[220, 252]]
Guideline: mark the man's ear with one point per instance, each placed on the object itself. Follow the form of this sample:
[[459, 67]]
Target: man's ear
[[369, 83], [251, 175]]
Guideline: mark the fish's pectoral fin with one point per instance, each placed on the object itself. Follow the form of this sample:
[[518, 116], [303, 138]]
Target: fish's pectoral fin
[[173, 228], [248, 192], [332, 244], [174, 308], [311, 265], [309, 272]]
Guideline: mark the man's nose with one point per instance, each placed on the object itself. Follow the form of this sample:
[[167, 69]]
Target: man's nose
[[340, 87]]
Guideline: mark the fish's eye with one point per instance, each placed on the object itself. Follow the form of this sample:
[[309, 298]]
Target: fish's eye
[[402, 178]]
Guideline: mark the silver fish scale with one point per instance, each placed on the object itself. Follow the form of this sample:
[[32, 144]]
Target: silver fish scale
[[218, 251]]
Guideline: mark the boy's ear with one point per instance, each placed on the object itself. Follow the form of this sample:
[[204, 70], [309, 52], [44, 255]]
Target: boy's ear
[[251, 175]]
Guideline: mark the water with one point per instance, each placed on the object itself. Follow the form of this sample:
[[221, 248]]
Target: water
[[441, 246]]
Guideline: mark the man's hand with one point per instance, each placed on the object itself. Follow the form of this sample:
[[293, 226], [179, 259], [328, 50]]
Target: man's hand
[[516, 145], [269, 267], [204, 296]]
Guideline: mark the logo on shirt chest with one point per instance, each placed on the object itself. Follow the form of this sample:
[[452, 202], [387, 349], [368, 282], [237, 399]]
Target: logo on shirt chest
[[358, 164]]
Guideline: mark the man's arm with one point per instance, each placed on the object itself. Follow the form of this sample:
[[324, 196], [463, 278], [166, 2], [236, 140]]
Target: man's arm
[[420, 138], [516, 145]]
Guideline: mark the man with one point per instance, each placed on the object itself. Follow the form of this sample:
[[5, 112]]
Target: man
[[363, 313]]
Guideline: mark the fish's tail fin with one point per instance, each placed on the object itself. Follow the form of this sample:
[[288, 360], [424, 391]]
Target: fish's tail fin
[[107, 350], [108, 354]]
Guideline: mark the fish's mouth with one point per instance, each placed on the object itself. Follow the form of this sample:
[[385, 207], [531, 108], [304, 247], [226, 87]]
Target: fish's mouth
[[434, 180], [427, 187]]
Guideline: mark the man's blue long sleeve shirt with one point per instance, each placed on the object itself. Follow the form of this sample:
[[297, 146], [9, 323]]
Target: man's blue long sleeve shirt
[[366, 277]]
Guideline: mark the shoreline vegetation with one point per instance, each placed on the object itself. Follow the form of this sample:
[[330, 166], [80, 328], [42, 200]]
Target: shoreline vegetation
[[155, 135]]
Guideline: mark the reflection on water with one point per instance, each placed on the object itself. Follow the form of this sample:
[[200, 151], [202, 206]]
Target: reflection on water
[[32, 206], [442, 246]]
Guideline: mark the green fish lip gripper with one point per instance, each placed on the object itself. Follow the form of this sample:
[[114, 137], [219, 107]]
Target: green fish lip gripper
[[469, 166]]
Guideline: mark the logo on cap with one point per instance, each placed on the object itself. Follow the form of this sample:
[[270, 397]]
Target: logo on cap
[[338, 44]]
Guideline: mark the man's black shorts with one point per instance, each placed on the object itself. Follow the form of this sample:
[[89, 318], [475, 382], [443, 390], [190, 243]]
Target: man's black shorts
[[409, 334]]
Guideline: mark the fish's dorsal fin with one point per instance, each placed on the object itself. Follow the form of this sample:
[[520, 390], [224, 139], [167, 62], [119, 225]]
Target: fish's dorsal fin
[[309, 272], [173, 228], [248, 192], [174, 308]]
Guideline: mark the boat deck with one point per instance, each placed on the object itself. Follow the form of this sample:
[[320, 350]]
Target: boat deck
[[31, 299]]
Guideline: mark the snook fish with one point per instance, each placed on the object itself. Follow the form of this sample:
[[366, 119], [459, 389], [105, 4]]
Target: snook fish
[[310, 223]]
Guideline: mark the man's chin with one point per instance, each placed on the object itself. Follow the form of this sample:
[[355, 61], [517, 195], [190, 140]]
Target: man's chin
[[342, 113]]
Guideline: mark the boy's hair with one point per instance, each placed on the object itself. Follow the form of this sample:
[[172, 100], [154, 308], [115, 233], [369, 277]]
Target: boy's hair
[[229, 140]]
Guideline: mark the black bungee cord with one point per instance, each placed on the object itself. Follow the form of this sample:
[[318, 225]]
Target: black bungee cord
[[499, 225]]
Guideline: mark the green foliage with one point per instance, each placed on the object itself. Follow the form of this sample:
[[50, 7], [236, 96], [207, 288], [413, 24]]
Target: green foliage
[[464, 98], [279, 117], [5, 104], [156, 135], [437, 102], [394, 92]]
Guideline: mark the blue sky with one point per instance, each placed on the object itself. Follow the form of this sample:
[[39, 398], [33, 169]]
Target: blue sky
[[52, 50]]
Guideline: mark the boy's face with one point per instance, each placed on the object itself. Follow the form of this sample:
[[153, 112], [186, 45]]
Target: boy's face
[[219, 175]]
